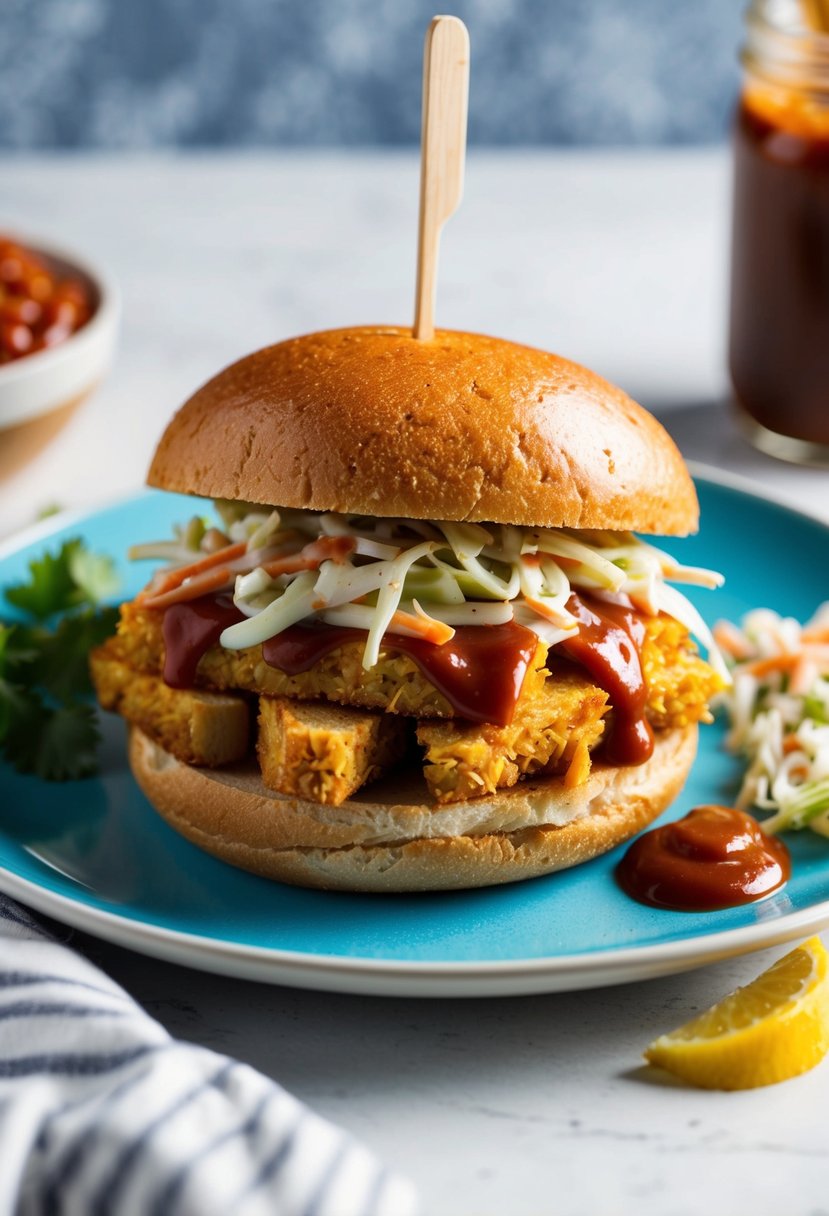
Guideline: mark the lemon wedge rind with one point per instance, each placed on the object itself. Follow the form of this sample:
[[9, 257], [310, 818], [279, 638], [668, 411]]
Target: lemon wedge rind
[[775, 1028]]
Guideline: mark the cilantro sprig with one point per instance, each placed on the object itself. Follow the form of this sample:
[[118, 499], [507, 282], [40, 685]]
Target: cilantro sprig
[[47, 726]]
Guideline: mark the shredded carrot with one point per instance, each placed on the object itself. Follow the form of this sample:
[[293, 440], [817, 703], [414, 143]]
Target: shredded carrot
[[425, 627], [729, 638], [815, 655], [170, 579], [331, 548], [803, 677], [203, 577], [291, 564], [202, 584], [775, 662], [791, 744], [687, 574], [816, 635], [327, 548], [550, 614], [579, 768]]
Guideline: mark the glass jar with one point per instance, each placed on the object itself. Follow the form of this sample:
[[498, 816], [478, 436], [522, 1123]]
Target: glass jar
[[779, 328]]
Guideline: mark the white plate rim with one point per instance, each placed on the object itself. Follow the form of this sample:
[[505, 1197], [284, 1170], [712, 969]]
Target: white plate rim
[[393, 977], [398, 977]]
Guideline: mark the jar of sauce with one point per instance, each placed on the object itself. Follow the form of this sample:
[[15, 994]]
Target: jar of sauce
[[779, 327]]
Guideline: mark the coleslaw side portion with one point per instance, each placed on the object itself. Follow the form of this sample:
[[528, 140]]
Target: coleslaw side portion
[[778, 707], [414, 577]]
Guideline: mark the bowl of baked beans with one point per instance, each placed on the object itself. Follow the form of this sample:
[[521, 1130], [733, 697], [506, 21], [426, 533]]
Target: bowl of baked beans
[[58, 323]]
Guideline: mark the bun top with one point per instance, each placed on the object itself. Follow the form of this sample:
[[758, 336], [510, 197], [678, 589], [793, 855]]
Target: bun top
[[462, 427]]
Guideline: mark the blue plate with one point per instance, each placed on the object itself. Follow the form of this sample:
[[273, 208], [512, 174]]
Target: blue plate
[[94, 853]]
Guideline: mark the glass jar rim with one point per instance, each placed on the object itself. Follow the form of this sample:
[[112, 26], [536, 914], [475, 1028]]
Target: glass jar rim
[[783, 51]]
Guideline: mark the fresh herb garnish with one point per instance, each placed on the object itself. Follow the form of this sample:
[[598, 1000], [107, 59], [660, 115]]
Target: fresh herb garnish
[[46, 727]]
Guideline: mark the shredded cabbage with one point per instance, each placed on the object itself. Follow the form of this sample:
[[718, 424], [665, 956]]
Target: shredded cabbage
[[436, 571], [292, 605], [389, 598]]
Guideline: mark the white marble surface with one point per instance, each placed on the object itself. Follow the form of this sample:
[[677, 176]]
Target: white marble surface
[[520, 1106]]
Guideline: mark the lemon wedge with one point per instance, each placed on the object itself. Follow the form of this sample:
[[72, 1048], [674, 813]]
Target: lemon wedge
[[775, 1028]]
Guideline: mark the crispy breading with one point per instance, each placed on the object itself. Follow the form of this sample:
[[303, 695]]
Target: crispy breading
[[323, 752], [197, 727], [463, 760], [395, 684], [680, 683], [556, 710]]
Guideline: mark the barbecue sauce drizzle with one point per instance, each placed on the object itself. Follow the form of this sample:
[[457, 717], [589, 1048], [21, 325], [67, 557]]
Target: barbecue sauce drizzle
[[480, 671], [189, 630], [608, 646]]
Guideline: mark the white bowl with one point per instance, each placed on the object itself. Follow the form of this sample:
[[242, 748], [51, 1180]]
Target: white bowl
[[39, 383]]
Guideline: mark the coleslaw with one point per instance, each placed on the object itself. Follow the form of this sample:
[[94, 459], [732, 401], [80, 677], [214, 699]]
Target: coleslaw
[[417, 577], [778, 708]]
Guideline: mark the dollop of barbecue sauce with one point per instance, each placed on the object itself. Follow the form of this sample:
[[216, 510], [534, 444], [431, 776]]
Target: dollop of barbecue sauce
[[480, 671], [714, 857]]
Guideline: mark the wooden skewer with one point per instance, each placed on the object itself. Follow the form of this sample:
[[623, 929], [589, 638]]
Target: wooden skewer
[[442, 153], [817, 15]]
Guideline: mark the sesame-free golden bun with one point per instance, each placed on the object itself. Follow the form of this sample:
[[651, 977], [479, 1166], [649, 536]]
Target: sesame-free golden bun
[[389, 837], [461, 427]]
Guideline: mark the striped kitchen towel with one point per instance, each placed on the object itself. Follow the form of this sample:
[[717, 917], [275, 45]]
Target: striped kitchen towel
[[102, 1112]]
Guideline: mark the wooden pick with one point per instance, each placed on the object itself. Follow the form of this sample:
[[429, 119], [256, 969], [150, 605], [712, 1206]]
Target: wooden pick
[[817, 15], [442, 153]]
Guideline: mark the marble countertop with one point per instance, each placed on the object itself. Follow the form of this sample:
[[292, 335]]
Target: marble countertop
[[520, 1106]]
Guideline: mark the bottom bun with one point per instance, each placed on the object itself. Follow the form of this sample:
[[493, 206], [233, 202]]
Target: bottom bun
[[394, 840]]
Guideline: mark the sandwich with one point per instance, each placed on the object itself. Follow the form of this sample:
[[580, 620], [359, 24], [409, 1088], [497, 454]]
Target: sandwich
[[418, 641]]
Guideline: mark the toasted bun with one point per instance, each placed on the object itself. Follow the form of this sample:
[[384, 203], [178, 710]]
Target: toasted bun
[[389, 839], [463, 427]]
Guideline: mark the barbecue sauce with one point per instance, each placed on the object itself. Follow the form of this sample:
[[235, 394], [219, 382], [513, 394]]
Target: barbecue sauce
[[480, 671], [779, 346], [189, 630], [715, 857], [608, 646]]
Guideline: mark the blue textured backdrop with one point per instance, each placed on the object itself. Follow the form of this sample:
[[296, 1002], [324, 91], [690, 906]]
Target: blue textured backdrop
[[137, 73]]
